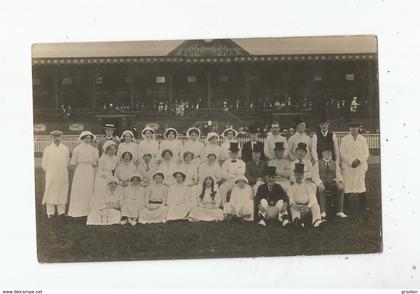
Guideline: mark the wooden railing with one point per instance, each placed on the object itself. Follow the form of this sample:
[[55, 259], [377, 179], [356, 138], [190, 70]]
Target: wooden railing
[[71, 141]]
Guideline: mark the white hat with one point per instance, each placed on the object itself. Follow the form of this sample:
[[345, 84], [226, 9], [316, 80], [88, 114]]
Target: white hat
[[127, 132], [241, 177], [158, 172], [86, 133], [56, 133], [147, 129], [109, 180], [193, 129], [235, 133], [211, 135], [170, 129], [135, 175]]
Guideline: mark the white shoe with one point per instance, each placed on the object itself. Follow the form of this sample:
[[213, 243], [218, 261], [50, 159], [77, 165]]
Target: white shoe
[[323, 214], [341, 214], [285, 222], [262, 222], [319, 222], [132, 222], [123, 222]]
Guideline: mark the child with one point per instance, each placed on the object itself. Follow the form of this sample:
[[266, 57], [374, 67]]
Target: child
[[128, 145], [148, 144], [241, 203], [125, 169], [212, 147], [167, 167], [210, 168], [85, 158], [180, 199], [106, 205], [194, 145], [171, 143], [147, 168], [282, 165], [208, 203], [155, 208], [133, 201], [106, 165]]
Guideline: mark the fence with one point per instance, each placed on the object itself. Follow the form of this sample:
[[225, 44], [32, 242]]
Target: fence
[[71, 141]]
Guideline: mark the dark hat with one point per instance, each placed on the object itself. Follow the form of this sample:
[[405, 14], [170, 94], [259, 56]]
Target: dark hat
[[279, 146], [253, 129], [270, 171], [302, 146], [323, 118], [353, 123], [299, 120], [299, 167], [257, 148], [234, 146]]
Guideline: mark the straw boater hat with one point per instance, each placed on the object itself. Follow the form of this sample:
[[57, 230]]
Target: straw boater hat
[[109, 126], [299, 167], [169, 130], [86, 133], [241, 178], [111, 180], [235, 133], [135, 175], [127, 132], [56, 133], [211, 135], [179, 172], [192, 129]]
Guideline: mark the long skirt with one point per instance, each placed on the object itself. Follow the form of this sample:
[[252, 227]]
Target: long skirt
[[245, 211], [81, 190], [206, 214], [155, 214], [100, 182], [132, 207], [178, 211], [108, 216]]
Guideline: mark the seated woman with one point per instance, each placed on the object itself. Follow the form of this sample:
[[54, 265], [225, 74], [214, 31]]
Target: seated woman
[[190, 170], [208, 203], [106, 165], [241, 202], [155, 208], [133, 200], [147, 167], [172, 143], [106, 206], [210, 168], [180, 198], [125, 169], [168, 167]]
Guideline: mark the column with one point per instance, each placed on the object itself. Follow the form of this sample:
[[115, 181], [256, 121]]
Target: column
[[208, 76], [170, 96]]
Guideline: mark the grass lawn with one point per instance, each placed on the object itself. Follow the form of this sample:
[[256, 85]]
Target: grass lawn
[[70, 240]]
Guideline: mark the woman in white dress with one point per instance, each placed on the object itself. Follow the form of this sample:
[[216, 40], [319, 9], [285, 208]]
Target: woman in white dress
[[127, 144], [85, 158], [180, 199], [210, 168], [213, 147], [168, 167], [172, 143], [189, 169], [194, 145], [229, 136], [148, 144], [133, 202], [147, 167], [106, 165], [208, 203], [155, 209], [125, 169], [106, 206]]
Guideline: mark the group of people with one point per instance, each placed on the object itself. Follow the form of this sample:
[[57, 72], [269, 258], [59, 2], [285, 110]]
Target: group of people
[[265, 180]]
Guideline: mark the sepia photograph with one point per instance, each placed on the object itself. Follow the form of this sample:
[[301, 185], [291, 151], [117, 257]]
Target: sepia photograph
[[206, 148]]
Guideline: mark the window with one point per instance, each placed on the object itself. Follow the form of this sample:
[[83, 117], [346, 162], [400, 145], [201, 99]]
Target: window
[[160, 79], [99, 80], [191, 79], [317, 78], [223, 79], [350, 77], [36, 82], [67, 81]]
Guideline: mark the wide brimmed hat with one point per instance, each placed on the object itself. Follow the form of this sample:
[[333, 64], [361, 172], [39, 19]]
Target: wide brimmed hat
[[86, 133], [170, 130], [112, 179], [235, 133], [56, 133], [299, 167], [135, 175], [158, 172], [279, 146], [234, 147], [109, 126], [179, 172], [241, 178], [270, 171], [127, 132], [148, 129], [302, 146], [193, 129], [212, 135]]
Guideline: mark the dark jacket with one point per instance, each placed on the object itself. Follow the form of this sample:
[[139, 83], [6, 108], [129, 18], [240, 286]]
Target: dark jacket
[[247, 151], [277, 193], [254, 171]]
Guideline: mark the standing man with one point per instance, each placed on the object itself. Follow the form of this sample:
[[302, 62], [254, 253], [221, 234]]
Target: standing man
[[249, 146], [354, 152], [109, 136], [300, 137], [255, 168], [271, 140], [324, 137], [55, 162]]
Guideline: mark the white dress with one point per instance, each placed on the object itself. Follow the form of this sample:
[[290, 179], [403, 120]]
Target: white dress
[[106, 166], [351, 149], [207, 209], [180, 201], [191, 172], [195, 147], [124, 171], [168, 168], [106, 208], [175, 146], [155, 205], [213, 148], [149, 147], [206, 170], [130, 147], [146, 172], [85, 156], [55, 161], [133, 201]]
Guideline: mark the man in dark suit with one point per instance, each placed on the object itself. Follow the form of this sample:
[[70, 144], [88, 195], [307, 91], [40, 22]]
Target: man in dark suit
[[271, 201], [250, 145], [255, 168], [109, 136]]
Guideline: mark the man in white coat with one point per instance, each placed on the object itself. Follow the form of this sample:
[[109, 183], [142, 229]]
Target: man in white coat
[[354, 152], [55, 162]]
